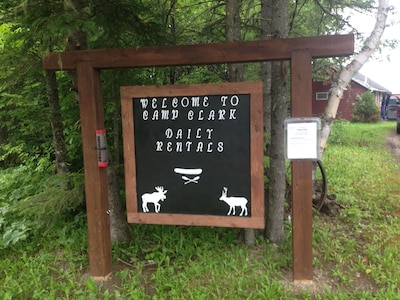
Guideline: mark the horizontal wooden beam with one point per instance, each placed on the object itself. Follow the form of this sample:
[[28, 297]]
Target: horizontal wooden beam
[[232, 52]]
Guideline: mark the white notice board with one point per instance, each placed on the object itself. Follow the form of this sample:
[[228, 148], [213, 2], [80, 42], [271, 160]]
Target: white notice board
[[302, 138]]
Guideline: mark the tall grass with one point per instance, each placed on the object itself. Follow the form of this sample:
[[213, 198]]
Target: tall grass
[[365, 177], [355, 253]]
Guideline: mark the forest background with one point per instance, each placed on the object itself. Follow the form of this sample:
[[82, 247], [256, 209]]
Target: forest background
[[39, 111]]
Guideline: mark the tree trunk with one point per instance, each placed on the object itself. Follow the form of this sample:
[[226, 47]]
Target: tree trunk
[[343, 79], [77, 40], [57, 128], [233, 34], [118, 225], [274, 230], [236, 71], [265, 72]]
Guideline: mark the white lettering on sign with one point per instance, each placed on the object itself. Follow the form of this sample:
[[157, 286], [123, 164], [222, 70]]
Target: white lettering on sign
[[201, 115], [232, 114], [154, 103], [205, 101], [163, 109], [175, 102], [168, 133], [164, 103], [175, 114], [209, 132], [221, 114], [233, 100], [189, 146], [165, 114], [198, 114], [220, 147], [155, 116], [144, 102], [181, 134], [190, 115]]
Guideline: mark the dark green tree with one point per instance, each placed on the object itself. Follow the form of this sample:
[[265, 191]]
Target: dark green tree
[[38, 27], [365, 109], [39, 113]]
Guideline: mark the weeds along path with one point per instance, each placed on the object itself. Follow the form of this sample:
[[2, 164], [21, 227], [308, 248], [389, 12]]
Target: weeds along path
[[393, 142]]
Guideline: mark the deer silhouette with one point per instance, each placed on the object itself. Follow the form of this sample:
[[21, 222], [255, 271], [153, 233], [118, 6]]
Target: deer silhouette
[[233, 202], [154, 198]]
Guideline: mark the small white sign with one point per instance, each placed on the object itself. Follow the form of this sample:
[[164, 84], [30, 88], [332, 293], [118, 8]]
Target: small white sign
[[302, 138]]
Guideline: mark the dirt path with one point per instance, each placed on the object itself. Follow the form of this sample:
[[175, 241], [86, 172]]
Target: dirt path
[[393, 143]]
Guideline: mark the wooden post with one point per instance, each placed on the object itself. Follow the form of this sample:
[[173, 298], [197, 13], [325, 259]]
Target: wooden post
[[96, 189], [301, 95]]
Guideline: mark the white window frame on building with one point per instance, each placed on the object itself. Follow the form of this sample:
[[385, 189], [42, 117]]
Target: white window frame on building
[[321, 96]]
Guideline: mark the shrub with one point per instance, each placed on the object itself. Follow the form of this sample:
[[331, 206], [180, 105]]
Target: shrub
[[32, 201], [365, 109]]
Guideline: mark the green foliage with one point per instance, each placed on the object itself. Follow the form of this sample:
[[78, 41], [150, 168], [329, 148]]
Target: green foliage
[[355, 254], [29, 30], [123, 23], [23, 108], [43, 236], [31, 201], [61, 194], [365, 109], [13, 232], [363, 175], [315, 18], [359, 134]]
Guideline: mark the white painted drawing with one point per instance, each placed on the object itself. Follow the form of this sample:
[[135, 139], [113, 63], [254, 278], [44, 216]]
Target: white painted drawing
[[189, 175], [233, 202], [154, 198], [191, 180]]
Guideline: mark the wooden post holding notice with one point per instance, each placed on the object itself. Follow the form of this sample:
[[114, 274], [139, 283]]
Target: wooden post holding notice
[[302, 171]]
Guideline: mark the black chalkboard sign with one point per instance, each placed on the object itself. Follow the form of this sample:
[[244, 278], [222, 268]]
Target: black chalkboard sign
[[193, 154]]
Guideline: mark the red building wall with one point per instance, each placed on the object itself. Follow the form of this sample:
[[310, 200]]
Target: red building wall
[[346, 104]]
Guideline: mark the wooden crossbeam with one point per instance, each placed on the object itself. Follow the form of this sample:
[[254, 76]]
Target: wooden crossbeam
[[233, 52]]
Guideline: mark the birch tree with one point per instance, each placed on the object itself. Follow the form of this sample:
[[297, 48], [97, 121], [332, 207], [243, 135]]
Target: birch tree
[[344, 77]]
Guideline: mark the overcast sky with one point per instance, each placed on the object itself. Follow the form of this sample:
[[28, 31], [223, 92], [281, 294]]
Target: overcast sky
[[379, 68]]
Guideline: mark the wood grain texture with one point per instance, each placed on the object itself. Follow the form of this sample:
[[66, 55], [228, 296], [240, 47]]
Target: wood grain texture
[[233, 52], [301, 73], [96, 183]]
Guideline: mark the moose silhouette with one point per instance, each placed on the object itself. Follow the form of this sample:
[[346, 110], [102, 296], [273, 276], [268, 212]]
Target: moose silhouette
[[154, 198]]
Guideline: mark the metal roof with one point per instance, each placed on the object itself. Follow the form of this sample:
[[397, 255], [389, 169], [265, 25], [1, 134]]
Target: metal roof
[[369, 84]]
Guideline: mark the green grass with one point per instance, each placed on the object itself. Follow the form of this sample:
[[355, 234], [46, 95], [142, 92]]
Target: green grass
[[356, 253]]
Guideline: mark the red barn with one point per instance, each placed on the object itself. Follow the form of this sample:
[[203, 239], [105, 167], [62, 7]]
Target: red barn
[[358, 86]]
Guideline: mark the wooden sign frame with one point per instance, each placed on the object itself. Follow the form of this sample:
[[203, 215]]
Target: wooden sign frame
[[89, 63], [255, 219]]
